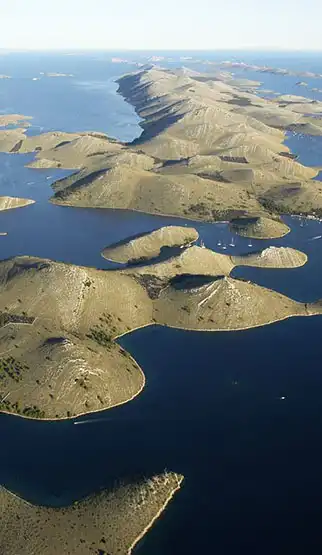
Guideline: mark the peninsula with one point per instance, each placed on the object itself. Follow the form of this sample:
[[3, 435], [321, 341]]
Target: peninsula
[[8, 203], [108, 523], [210, 150]]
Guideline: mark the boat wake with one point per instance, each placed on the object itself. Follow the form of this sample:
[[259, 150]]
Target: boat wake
[[315, 238], [91, 421]]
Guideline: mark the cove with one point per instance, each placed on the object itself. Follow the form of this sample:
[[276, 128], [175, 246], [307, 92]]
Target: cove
[[212, 409]]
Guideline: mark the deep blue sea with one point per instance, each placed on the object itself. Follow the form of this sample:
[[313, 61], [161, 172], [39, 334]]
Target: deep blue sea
[[212, 406]]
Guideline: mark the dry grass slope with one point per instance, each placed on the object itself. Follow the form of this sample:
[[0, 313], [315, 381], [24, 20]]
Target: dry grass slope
[[109, 523], [58, 322]]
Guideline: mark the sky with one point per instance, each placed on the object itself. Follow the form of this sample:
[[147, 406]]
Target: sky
[[161, 24]]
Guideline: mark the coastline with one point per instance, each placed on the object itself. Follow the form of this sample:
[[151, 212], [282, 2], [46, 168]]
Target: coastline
[[208, 330], [115, 519], [157, 516], [66, 418]]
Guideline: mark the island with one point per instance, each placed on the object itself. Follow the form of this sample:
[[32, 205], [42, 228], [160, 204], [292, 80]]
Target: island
[[8, 203], [265, 69], [209, 150], [58, 74], [59, 322], [149, 245], [273, 257], [14, 119], [259, 227]]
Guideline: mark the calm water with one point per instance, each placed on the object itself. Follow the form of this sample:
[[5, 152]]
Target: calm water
[[211, 408], [84, 102]]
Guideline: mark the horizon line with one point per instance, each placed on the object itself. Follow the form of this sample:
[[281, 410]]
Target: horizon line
[[115, 49]]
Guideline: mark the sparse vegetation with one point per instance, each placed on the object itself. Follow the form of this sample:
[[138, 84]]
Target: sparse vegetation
[[11, 368], [100, 336], [7, 318], [30, 411]]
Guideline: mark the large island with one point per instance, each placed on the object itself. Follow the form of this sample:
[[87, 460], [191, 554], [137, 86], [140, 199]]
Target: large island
[[210, 149]]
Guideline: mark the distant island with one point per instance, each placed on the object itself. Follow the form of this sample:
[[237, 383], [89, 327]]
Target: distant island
[[59, 75], [265, 69], [14, 119]]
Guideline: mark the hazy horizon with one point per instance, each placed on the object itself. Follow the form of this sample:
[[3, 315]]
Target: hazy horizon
[[194, 26], [150, 50]]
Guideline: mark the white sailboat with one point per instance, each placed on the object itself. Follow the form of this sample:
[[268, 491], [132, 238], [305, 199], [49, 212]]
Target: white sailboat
[[250, 244], [219, 243], [232, 242]]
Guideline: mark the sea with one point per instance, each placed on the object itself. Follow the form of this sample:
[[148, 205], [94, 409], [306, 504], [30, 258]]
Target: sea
[[237, 413]]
